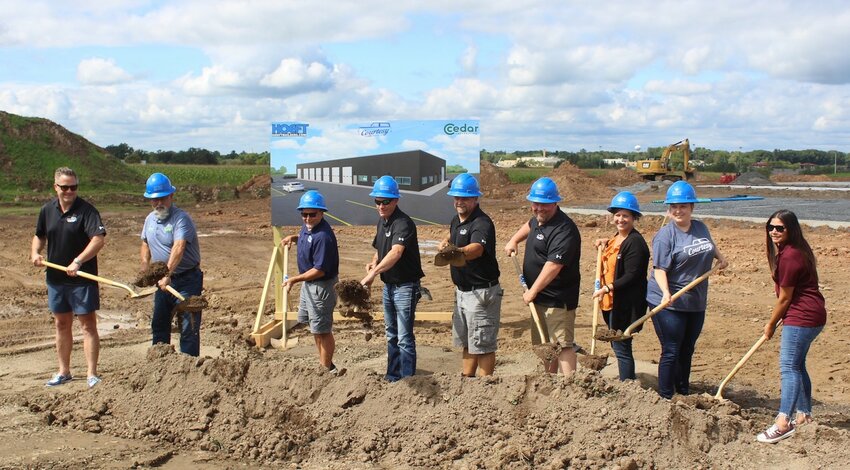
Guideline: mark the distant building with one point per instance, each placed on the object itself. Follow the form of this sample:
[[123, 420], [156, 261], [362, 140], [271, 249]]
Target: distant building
[[413, 170], [529, 161], [614, 161]]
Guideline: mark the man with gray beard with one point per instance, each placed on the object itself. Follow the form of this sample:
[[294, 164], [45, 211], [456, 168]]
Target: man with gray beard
[[169, 235]]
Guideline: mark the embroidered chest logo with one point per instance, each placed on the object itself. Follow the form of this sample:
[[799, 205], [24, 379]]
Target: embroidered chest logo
[[71, 219], [463, 231], [168, 228], [387, 234], [539, 236], [309, 239]]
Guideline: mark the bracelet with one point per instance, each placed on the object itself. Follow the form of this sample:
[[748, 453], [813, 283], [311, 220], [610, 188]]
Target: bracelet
[[607, 289], [78, 262]]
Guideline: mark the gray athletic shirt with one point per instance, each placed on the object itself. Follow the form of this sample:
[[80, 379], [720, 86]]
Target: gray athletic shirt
[[685, 256]]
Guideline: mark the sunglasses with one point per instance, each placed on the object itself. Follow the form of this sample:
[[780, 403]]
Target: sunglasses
[[307, 215], [778, 228], [67, 187], [384, 202]]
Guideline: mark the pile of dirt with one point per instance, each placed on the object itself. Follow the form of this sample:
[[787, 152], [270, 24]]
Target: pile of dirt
[[751, 178], [257, 187], [620, 178], [494, 183], [784, 178], [576, 186], [355, 302], [149, 277]]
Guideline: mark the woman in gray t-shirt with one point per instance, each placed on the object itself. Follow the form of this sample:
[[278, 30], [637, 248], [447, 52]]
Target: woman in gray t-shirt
[[682, 251]]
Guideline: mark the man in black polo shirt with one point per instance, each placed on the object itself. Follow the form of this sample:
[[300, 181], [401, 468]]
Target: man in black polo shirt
[[478, 298], [397, 261], [73, 232], [551, 268]]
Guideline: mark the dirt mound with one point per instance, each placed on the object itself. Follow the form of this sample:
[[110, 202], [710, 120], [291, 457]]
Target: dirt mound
[[257, 187], [807, 178], [620, 178], [576, 186], [751, 178], [494, 183]]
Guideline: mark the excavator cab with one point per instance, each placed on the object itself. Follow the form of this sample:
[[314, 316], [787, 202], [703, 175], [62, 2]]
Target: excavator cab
[[668, 166]]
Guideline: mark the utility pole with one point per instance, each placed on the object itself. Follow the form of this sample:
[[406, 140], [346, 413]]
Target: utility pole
[[835, 162]]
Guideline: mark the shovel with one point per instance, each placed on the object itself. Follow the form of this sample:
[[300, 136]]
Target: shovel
[[548, 351], [134, 294], [593, 361], [615, 335], [740, 364]]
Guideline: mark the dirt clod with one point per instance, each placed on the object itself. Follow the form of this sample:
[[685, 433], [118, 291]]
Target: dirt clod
[[149, 277]]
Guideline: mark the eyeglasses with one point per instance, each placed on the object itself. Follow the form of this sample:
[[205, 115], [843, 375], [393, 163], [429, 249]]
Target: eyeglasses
[[307, 215], [384, 202], [778, 228], [67, 187]]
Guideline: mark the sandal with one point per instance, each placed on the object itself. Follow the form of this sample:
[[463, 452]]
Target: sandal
[[59, 379]]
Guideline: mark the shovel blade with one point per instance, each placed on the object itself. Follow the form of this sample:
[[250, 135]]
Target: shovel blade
[[143, 292], [610, 335], [593, 362], [547, 352]]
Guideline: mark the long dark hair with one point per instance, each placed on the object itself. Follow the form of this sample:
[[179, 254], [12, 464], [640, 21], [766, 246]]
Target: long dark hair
[[795, 239]]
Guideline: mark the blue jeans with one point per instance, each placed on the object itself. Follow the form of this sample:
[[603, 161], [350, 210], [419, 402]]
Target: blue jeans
[[678, 333], [399, 312], [190, 283], [796, 386], [623, 352]]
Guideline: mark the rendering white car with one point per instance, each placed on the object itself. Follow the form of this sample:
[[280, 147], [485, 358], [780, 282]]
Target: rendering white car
[[293, 186]]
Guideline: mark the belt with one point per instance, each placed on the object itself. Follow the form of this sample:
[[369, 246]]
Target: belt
[[182, 273], [477, 286]]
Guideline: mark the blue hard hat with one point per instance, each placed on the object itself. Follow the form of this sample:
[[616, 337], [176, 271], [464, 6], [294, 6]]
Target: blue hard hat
[[464, 185], [312, 199], [624, 200], [681, 192], [544, 191], [157, 186], [387, 187]]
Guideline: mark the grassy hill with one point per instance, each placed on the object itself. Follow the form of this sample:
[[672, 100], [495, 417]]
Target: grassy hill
[[32, 148]]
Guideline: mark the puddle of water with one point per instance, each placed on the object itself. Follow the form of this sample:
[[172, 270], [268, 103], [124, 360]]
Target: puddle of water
[[110, 321], [428, 247]]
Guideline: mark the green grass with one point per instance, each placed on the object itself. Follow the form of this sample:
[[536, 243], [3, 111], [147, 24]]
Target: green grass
[[525, 175], [203, 175]]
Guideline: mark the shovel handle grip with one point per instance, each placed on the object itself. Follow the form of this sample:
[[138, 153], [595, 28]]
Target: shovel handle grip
[[175, 293]]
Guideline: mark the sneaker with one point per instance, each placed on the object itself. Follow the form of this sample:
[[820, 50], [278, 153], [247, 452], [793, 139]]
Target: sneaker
[[773, 434], [58, 379], [93, 380], [338, 372]]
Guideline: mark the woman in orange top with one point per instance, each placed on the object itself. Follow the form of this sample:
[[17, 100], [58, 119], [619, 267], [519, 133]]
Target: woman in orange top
[[624, 264]]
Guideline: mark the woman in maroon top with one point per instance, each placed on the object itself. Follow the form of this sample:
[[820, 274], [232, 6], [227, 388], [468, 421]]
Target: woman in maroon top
[[801, 308]]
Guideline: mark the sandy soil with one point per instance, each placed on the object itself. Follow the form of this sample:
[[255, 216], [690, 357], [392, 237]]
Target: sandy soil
[[237, 406]]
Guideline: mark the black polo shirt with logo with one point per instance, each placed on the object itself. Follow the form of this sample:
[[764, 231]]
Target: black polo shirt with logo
[[484, 270], [557, 241], [399, 229], [67, 235]]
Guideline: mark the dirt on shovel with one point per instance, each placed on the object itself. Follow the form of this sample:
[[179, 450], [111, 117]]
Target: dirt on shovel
[[354, 302], [593, 362], [547, 352], [609, 335], [156, 271]]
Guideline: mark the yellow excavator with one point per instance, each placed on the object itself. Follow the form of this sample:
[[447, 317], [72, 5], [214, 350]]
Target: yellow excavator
[[663, 168]]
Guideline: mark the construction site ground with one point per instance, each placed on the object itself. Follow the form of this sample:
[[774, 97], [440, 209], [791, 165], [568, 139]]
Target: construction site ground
[[236, 406]]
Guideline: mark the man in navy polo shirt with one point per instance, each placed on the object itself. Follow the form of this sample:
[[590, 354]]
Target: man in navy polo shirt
[[318, 269], [74, 234], [478, 297], [397, 261], [551, 268], [169, 235]]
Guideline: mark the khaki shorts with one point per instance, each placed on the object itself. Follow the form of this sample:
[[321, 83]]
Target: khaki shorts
[[558, 323]]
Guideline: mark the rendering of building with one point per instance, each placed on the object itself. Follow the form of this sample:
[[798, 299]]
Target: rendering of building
[[413, 170]]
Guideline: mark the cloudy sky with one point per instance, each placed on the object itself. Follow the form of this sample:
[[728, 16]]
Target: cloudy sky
[[537, 74]]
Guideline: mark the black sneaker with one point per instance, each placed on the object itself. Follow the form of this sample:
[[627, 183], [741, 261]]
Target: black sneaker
[[338, 372]]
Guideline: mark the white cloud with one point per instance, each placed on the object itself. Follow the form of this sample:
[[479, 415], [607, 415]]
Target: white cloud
[[98, 71], [293, 74]]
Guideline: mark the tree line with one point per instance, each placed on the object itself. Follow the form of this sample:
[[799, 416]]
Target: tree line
[[715, 160], [191, 156]]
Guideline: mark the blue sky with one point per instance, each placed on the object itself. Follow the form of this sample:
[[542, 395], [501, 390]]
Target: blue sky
[[537, 74]]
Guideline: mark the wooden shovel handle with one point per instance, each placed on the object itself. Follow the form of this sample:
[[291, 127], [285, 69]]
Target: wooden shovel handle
[[88, 276], [596, 301], [691, 285], [175, 293], [740, 364], [543, 336]]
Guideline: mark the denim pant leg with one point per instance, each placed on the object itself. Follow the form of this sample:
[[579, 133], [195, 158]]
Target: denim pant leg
[[399, 313], [163, 304], [625, 359], [693, 322], [190, 326], [671, 333], [796, 393]]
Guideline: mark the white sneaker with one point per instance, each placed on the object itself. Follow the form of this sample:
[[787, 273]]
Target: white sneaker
[[773, 434]]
